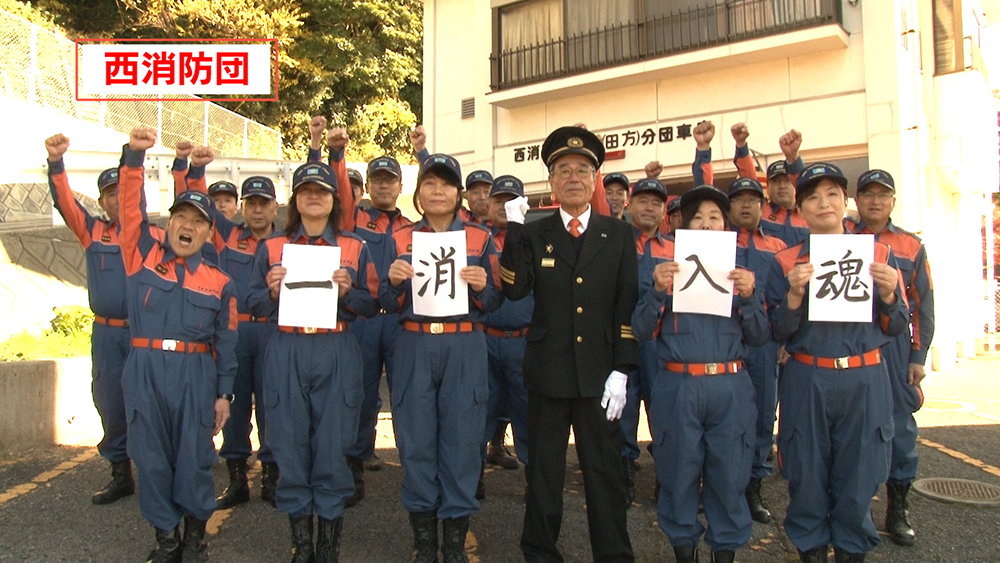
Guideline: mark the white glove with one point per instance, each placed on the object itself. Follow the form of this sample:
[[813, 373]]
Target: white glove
[[614, 394], [516, 209]]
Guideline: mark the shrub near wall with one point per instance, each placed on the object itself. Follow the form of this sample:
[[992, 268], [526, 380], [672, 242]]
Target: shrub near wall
[[69, 337]]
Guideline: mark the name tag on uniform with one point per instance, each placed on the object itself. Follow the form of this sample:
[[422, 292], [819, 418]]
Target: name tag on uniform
[[548, 262]]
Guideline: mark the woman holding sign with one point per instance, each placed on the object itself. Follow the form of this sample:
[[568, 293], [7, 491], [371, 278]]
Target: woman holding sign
[[702, 413], [836, 406], [442, 282], [313, 386]]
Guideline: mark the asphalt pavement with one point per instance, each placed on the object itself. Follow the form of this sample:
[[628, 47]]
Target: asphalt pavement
[[46, 513]]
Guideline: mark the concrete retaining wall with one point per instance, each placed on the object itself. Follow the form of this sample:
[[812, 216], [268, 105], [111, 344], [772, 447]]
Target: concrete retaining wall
[[47, 402]]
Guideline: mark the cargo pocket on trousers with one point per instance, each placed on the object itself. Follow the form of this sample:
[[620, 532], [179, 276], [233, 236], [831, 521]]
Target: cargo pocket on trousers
[[349, 416], [786, 455], [206, 447]]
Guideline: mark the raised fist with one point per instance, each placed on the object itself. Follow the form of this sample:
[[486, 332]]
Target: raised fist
[[703, 134], [337, 138], [142, 138], [790, 143], [57, 145], [740, 133], [654, 169], [418, 138], [316, 127], [201, 156], [183, 149]]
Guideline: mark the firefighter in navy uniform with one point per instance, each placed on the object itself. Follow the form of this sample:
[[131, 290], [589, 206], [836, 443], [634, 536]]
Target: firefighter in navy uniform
[[106, 292], [583, 270], [905, 354], [178, 377], [836, 424], [236, 246]]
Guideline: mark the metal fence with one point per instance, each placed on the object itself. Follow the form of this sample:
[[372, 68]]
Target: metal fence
[[723, 21], [38, 66]]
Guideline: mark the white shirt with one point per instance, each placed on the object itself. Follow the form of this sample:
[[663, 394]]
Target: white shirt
[[584, 219]]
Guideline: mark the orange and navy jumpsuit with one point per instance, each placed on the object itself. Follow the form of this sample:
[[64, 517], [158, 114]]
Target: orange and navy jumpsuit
[[440, 390], [907, 348], [313, 390], [182, 314]]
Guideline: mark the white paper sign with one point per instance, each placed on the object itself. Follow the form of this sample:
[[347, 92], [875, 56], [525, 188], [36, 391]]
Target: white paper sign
[[309, 296], [705, 258], [841, 289], [438, 290]]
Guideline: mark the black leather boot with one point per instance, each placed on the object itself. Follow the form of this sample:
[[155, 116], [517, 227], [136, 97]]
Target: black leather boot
[[758, 511], [168, 547], [268, 481], [628, 473], [195, 549], [814, 555], [328, 540], [686, 554], [842, 556], [358, 471], [897, 514], [122, 484], [723, 556], [425, 537], [498, 453], [453, 532], [238, 490], [302, 540]]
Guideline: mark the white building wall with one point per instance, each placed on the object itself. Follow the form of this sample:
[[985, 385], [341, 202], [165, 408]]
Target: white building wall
[[868, 91]]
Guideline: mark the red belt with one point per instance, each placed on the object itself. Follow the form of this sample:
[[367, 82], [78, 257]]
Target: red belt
[[245, 318], [341, 327], [867, 359], [439, 328], [699, 370], [169, 345], [120, 323], [506, 333]]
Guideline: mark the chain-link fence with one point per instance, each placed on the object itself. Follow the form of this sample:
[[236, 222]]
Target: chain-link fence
[[38, 66]]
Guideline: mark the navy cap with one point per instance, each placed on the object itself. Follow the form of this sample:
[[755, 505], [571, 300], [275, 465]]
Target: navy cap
[[258, 186], [617, 178], [745, 185], [876, 176], [777, 168], [816, 172], [223, 187], [316, 173], [507, 184], [386, 163], [198, 200], [650, 185], [572, 140], [444, 166], [107, 179], [478, 177], [355, 177], [674, 205], [698, 194]]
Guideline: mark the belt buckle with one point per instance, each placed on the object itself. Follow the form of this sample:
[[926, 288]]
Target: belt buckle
[[841, 363], [168, 345], [437, 328], [309, 330], [508, 334], [712, 369]]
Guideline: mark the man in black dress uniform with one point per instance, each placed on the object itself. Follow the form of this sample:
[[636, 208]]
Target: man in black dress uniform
[[583, 270]]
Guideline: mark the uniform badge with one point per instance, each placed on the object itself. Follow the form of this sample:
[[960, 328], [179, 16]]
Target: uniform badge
[[105, 238], [409, 248], [604, 235], [574, 142], [243, 245], [372, 225], [548, 262], [161, 268], [773, 217], [548, 248]]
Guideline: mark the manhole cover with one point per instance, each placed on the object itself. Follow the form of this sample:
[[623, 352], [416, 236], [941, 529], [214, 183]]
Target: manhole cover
[[959, 491]]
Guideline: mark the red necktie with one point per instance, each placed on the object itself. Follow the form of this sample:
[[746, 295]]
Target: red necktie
[[574, 227]]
